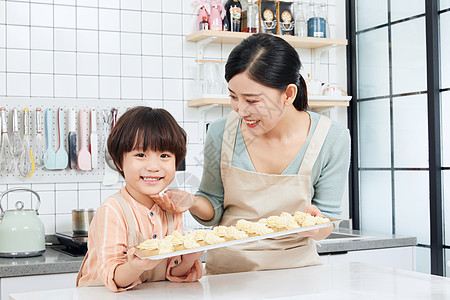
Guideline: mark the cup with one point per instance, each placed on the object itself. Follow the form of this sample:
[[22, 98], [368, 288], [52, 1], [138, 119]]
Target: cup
[[314, 87], [211, 85]]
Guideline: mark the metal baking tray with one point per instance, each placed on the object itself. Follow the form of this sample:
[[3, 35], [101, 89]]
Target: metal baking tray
[[180, 250]]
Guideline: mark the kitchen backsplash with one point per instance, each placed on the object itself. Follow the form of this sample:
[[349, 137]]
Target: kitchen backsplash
[[103, 54]]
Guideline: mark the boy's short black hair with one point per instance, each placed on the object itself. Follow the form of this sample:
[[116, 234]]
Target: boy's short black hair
[[142, 127]]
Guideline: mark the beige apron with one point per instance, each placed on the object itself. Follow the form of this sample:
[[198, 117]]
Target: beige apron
[[134, 238], [252, 196]]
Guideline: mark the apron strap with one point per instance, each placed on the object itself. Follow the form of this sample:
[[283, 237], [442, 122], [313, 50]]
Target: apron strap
[[170, 225], [130, 220], [126, 210], [315, 145], [229, 138]]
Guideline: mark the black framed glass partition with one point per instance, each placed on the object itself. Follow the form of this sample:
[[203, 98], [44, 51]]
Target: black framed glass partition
[[400, 122]]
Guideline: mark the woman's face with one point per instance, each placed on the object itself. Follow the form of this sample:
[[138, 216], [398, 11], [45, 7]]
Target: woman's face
[[260, 107]]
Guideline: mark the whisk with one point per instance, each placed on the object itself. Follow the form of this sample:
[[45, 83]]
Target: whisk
[[7, 164], [16, 141], [26, 161], [39, 142]]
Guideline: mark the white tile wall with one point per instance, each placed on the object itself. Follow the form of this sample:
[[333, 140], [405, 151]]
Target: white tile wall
[[133, 50]]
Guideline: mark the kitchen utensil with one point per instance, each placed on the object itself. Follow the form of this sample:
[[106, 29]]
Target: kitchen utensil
[[26, 164], [76, 244], [93, 139], [84, 157], [112, 122], [72, 140], [110, 176], [22, 233], [50, 155], [61, 157], [15, 140], [7, 162], [39, 143], [81, 218]]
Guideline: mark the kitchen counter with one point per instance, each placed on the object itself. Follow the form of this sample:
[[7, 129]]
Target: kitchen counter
[[51, 262], [54, 262], [341, 281], [344, 240]]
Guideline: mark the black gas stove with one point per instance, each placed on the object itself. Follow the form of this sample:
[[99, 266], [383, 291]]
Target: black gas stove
[[73, 244]]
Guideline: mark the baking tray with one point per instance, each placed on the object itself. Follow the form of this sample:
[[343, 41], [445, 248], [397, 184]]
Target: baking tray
[[179, 250]]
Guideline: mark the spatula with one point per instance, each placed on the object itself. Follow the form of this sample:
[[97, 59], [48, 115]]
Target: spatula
[[93, 139], [84, 157], [110, 176], [50, 154], [72, 139], [61, 157]]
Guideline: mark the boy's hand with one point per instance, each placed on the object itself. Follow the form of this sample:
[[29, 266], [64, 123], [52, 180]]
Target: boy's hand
[[141, 264], [175, 201], [187, 261]]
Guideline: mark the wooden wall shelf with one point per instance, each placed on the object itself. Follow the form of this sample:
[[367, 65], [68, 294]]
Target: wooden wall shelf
[[228, 37], [320, 102], [317, 46]]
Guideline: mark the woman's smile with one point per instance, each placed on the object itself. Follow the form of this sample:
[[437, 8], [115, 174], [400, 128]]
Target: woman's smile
[[251, 124]]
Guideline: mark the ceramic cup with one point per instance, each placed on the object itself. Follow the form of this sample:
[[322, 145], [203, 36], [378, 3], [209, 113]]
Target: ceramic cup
[[314, 87]]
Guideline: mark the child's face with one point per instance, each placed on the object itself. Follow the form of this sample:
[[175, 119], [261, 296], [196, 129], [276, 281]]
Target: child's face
[[148, 172]]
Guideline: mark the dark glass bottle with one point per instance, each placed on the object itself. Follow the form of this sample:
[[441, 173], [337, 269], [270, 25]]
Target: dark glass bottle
[[225, 23], [233, 10]]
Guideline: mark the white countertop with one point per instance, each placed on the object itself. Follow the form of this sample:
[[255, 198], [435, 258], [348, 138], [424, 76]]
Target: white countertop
[[340, 281]]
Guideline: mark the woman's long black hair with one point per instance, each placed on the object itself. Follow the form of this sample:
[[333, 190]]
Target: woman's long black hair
[[270, 61]]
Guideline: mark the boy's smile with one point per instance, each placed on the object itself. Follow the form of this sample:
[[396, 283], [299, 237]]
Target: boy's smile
[[151, 180], [148, 173]]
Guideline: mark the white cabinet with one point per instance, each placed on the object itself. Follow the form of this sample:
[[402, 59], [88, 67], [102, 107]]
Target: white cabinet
[[23, 284], [399, 257]]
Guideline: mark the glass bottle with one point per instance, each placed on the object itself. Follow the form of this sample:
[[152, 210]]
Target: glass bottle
[[252, 17], [301, 29], [311, 12], [323, 15], [316, 24], [225, 23], [215, 20], [202, 13], [233, 10], [203, 25]]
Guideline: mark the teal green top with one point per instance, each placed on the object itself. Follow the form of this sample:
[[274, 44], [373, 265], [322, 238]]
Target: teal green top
[[328, 177]]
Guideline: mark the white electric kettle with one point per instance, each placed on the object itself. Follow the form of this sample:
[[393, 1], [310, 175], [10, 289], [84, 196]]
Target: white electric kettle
[[22, 233]]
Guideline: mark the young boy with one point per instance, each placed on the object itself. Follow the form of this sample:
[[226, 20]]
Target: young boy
[[146, 145]]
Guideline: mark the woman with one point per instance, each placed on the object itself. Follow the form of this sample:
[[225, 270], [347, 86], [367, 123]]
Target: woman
[[269, 156]]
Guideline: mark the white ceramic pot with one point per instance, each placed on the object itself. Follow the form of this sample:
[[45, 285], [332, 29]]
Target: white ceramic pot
[[329, 89]]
